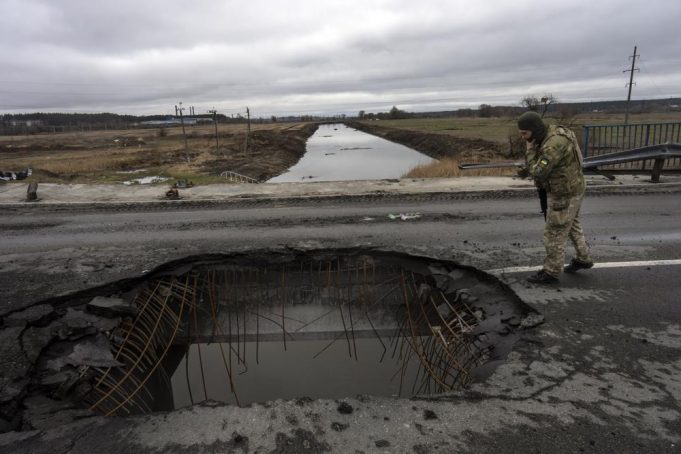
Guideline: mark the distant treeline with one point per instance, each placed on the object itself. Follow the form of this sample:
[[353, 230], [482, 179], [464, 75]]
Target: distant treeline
[[38, 122], [636, 106], [557, 109], [31, 123]]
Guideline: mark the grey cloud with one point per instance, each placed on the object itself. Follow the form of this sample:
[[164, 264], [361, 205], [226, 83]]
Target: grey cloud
[[303, 56]]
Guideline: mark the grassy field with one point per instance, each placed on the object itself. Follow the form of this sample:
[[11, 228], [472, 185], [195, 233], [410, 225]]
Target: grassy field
[[500, 130], [117, 156], [495, 129]]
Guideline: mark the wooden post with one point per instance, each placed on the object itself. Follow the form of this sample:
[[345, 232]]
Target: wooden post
[[248, 127], [32, 192], [184, 134], [215, 122]]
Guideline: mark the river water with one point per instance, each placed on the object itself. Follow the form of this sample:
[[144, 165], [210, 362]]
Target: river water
[[336, 152]]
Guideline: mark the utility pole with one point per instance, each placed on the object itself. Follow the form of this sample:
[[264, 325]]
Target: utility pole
[[215, 121], [630, 84], [248, 127], [184, 134]]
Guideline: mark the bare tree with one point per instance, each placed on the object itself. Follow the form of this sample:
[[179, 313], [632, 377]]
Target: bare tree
[[539, 105]]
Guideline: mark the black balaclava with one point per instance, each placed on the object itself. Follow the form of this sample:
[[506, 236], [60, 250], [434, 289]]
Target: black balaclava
[[531, 121]]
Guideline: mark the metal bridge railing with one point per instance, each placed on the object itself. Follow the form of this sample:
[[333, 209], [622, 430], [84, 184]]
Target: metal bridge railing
[[603, 139], [234, 177], [603, 163], [658, 154]]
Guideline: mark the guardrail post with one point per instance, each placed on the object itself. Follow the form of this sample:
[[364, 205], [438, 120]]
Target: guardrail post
[[656, 171]]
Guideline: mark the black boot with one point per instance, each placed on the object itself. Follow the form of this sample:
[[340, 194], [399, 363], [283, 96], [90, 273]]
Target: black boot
[[576, 265], [542, 277]]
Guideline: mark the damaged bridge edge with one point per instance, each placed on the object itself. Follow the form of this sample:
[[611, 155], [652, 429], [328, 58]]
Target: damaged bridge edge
[[181, 265], [530, 316]]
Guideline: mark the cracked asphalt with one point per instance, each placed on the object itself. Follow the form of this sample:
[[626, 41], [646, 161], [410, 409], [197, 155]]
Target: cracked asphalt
[[602, 374]]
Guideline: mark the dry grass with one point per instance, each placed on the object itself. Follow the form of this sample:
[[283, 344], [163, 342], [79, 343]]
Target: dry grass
[[449, 167], [494, 129], [98, 156], [499, 129], [102, 156], [76, 162]]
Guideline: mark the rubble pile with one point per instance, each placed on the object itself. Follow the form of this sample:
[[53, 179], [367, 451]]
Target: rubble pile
[[47, 352]]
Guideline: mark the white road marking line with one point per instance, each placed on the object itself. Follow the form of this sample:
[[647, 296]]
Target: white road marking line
[[524, 269]]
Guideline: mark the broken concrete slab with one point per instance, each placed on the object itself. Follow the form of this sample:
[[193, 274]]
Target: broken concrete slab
[[112, 307], [33, 314], [92, 351], [34, 340], [76, 323], [15, 364], [44, 413]]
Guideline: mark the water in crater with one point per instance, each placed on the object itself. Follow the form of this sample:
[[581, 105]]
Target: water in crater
[[260, 326], [330, 368]]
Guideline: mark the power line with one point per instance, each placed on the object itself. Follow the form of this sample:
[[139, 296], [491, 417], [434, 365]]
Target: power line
[[648, 73]]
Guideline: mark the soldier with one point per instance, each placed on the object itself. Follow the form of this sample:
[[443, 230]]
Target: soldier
[[554, 161]]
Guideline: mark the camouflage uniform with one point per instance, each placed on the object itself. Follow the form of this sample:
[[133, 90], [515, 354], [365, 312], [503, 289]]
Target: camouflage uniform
[[556, 165]]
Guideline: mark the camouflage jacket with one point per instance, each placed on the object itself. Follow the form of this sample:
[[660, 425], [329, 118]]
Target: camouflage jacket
[[556, 163]]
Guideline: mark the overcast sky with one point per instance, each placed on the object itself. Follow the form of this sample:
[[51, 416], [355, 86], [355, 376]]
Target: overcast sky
[[318, 56]]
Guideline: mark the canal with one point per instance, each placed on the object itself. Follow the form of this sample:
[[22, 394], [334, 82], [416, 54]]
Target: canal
[[336, 152]]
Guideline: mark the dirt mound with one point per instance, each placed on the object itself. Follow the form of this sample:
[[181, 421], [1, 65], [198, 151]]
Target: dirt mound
[[435, 145], [269, 153]]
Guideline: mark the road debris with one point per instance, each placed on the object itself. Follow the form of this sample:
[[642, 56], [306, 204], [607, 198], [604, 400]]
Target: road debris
[[405, 216], [146, 180], [22, 175], [183, 184]]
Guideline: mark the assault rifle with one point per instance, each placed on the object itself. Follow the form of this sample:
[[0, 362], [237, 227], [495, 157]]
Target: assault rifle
[[522, 171]]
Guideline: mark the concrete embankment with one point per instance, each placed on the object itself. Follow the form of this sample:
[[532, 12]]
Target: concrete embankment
[[13, 195]]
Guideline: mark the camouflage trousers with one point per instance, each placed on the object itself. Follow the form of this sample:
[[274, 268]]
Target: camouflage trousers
[[562, 222]]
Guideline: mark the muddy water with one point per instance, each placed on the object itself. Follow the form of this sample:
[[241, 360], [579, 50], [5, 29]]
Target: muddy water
[[338, 153], [331, 324], [328, 368]]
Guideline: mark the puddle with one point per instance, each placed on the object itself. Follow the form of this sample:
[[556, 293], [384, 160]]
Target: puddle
[[131, 171], [264, 371], [263, 326], [339, 153], [146, 180]]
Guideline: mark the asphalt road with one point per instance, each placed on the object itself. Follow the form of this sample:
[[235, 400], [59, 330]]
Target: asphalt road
[[76, 249], [600, 375]]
